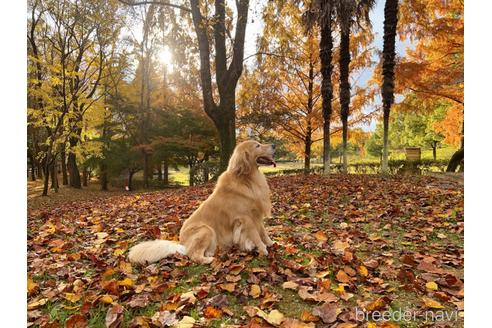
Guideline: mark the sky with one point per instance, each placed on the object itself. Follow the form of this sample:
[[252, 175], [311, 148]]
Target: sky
[[255, 27]]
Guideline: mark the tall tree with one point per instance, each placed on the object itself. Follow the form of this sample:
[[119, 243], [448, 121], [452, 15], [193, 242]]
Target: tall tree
[[282, 93], [320, 12], [348, 14], [219, 98], [388, 86]]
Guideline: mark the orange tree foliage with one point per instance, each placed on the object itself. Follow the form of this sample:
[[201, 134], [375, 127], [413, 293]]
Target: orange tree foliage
[[276, 95], [434, 70]]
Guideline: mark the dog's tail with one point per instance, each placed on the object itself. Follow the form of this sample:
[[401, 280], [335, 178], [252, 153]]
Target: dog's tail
[[154, 250]]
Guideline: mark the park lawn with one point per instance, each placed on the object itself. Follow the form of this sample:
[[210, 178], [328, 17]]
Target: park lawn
[[343, 243]]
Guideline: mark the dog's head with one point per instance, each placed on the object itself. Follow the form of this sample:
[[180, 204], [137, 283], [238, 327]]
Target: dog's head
[[248, 155]]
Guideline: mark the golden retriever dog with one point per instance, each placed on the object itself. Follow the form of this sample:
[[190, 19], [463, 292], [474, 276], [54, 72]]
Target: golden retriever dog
[[232, 215]]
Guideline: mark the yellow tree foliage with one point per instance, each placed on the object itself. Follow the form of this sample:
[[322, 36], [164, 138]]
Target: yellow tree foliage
[[434, 71]]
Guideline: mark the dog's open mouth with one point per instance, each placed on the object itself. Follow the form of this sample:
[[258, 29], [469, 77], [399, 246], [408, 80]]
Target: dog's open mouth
[[264, 160]]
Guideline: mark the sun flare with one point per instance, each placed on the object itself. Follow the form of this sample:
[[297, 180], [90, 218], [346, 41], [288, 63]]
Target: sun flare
[[165, 58]]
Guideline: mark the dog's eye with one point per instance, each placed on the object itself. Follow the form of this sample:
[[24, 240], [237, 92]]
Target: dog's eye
[[257, 145]]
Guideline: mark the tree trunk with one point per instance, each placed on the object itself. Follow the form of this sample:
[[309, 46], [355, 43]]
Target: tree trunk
[[39, 170], [307, 153], [63, 159], [227, 136], [159, 171], [165, 177], [455, 160], [325, 54], [46, 178], [85, 175], [434, 150], [387, 89], [54, 176], [145, 170], [33, 165], [104, 176], [344, 90], [192, 174], [72, 165], [205, 168], [130, 180]]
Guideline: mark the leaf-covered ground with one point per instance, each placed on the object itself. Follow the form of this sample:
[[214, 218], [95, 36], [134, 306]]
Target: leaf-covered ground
[[347, 247]]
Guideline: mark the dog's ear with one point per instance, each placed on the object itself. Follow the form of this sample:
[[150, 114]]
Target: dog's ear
[[240, 163]]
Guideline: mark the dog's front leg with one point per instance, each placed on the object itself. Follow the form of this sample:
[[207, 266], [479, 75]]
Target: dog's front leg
[[264, 236], [251, 232]]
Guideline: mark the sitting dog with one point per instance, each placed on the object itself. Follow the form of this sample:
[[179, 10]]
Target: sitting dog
[[232, 215]]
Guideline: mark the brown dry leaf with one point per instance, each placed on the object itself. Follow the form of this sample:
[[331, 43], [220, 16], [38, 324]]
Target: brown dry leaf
[[114, 316], [340, 246], [322, 274], [255, 291], [308, 316], [290, 285], [186, 322], [327, 312], [378, 304], [343, 277], [275, 317], [321, 236], [232, 278], [76, 321], [432, 304], [293, 323], [230, 287], [164, 319]]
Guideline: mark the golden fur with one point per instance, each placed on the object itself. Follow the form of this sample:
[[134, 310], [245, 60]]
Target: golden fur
[[232, 215]]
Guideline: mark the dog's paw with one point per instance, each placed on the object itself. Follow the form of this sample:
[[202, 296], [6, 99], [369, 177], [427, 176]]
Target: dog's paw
[[263, 251], [269, 242], [208, 260], [248, 246]]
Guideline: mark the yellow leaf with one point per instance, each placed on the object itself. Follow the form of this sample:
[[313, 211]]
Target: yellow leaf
[[106, 299], [35, 304], [363, 271], [118, 252], [255, 291], [126, 282], [430, 303], [72, 297], [431, 285], [31, 285], [371, 325], [321, 236]]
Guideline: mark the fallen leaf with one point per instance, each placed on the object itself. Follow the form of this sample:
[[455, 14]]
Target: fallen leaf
[[114, 316], [327, 312], [431, 285], [212, 312], [430, 303], [321, 236], [76, 321], [290, 285], [363, 271], [230, 287], [255, 291], [186, 322], [343, 277]]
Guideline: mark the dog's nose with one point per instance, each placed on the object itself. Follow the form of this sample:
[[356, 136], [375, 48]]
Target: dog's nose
[[273, 146]]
